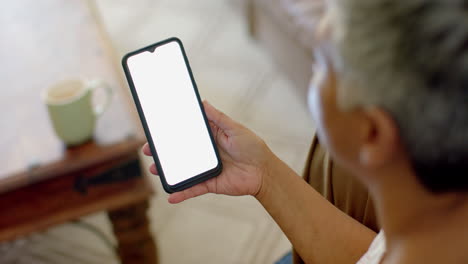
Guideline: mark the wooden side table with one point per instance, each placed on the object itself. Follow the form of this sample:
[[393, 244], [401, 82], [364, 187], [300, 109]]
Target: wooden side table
[[42, 182]]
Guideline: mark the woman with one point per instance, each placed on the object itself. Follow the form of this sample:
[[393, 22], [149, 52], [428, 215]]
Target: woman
[[389, 98]]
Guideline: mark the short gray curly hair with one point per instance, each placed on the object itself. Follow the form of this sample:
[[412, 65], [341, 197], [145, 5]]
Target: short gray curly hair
[[411, 58]]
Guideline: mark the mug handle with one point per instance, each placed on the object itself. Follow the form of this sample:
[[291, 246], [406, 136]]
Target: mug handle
[[100, 84]]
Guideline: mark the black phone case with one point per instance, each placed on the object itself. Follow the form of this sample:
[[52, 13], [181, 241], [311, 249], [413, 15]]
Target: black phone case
[[198, 178]]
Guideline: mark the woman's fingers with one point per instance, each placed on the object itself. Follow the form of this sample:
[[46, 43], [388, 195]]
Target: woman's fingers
[[194, 191], [153, 169], [146, 150], [221, 120]]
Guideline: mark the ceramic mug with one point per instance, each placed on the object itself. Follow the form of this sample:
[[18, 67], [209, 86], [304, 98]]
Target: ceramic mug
[[72, 111]]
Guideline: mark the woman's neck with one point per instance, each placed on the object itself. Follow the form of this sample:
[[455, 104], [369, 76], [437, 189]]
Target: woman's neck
[[418, 224]]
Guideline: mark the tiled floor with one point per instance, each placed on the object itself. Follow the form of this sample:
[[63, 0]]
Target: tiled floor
[[235, 75]]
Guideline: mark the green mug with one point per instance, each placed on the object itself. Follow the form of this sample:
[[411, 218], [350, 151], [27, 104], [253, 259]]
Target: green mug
[[72, 111]]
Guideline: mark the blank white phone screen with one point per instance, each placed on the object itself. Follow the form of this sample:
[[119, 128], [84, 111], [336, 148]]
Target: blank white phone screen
[[172, 112]]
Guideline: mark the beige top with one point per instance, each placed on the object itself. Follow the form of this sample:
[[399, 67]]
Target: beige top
[[339, 187]]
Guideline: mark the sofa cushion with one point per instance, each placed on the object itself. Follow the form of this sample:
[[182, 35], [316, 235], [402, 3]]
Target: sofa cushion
[[298, 17]]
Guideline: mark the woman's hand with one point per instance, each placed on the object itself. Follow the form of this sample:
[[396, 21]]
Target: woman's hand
[[246, 160]]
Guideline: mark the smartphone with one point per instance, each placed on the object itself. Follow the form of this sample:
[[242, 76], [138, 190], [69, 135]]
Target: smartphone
[[173, 118]]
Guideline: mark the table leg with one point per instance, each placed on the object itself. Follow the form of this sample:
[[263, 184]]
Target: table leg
[[131, 228]]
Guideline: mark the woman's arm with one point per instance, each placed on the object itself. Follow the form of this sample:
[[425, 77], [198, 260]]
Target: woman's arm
[[319, 231]]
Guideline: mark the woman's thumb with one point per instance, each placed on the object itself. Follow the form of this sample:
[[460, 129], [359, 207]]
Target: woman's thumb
[[221, 120]]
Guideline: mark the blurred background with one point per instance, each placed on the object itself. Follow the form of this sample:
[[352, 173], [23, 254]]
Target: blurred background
[[238, 74]]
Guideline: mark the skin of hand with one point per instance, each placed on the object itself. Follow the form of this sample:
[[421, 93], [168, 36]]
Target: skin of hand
[[312, 224], [246, 160]]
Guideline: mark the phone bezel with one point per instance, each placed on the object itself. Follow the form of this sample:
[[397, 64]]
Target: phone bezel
[[197, 178]]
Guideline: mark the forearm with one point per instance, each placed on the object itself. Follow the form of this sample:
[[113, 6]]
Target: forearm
[[319, 231]]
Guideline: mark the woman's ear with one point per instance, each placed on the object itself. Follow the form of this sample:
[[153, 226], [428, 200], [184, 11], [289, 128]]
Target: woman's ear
[[381, 139]]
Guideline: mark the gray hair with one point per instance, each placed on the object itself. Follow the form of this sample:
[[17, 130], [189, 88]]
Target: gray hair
[[410, 57]]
